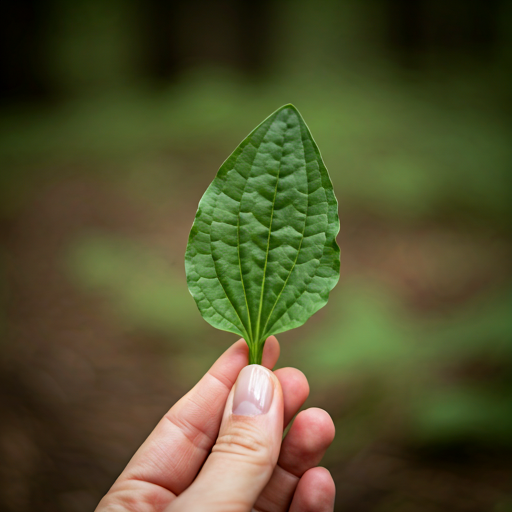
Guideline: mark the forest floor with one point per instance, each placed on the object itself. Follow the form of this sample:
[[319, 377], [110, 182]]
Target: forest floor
[[81, 389]]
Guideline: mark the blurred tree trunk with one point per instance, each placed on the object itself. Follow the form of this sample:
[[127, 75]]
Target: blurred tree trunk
[[416, 27], [21, 71], [187, 33]]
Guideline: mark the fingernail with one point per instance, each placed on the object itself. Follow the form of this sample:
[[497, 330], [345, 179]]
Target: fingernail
[[253, 391]]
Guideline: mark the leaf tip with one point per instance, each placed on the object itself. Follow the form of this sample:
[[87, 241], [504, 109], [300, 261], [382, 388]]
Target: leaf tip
[[288, 106]]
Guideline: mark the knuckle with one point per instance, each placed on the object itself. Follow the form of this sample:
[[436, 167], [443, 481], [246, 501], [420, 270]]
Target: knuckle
[[118, 503], [246, 441], [129, 496]]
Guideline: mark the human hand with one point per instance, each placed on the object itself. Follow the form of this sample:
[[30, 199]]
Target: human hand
[[219, 448]]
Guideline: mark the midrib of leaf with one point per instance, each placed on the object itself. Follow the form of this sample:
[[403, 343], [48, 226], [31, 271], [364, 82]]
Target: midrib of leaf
[[296, 257], [266, 255]]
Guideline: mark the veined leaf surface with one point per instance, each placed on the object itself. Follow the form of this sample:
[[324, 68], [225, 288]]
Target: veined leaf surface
[[262, 254]]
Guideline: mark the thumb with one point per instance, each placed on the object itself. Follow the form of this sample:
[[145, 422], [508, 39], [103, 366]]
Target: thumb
[[246, 452]]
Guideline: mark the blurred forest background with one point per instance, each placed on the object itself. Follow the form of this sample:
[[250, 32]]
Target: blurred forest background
[[115, 115]]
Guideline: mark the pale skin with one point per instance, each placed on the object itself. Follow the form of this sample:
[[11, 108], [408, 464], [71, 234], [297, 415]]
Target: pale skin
[[209, 454]]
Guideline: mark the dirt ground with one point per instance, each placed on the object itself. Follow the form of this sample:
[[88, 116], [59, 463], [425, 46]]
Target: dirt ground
[[79, 395]]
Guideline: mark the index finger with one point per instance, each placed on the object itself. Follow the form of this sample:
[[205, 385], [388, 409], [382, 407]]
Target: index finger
[[175, 451]]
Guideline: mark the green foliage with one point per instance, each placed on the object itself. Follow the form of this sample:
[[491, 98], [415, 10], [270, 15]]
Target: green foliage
[[390, 150], [422, 365], [366, 331], [262, 254], [146, 291]]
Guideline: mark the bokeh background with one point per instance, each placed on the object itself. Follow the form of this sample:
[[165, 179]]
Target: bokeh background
[[115, 116]]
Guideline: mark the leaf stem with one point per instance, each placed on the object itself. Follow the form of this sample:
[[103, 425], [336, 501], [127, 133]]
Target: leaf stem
[[256, 352]]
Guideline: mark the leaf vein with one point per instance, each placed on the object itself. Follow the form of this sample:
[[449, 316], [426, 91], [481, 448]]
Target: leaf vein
[[266, 255], [296, 257], [248, 330]]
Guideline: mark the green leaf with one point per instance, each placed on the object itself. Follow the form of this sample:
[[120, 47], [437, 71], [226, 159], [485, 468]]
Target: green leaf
[[262, 254]]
